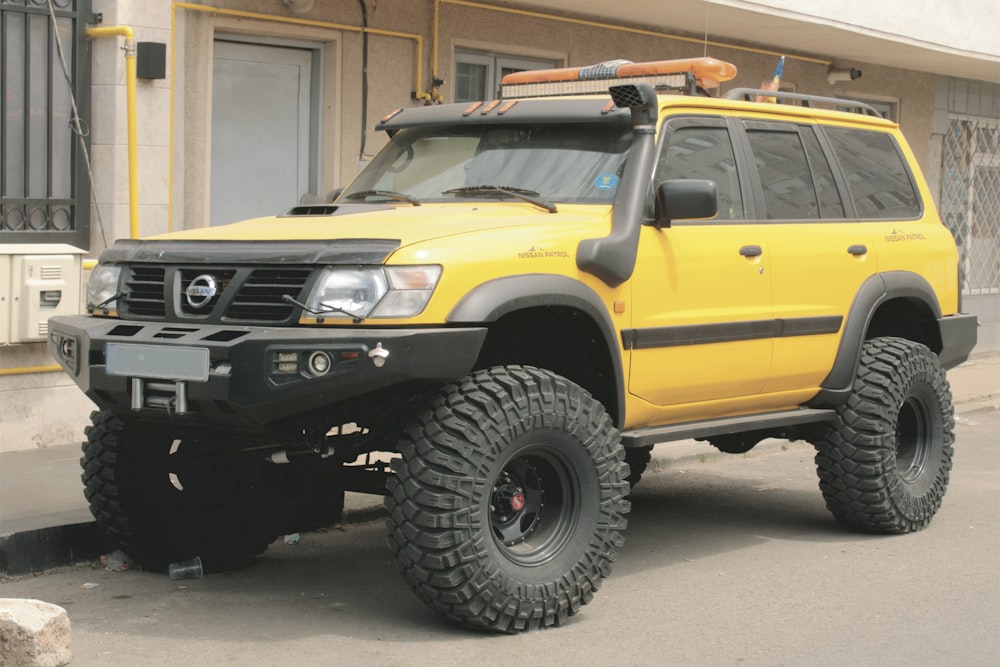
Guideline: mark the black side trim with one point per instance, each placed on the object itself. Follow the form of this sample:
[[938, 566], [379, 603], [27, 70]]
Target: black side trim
[[727, 332], [725, 425], [809, 326], [491, 301], [341, 251]]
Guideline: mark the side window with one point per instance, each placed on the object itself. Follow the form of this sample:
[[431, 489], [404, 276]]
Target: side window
[[830, 205], [785, 178], [706, 153], [876, 174]]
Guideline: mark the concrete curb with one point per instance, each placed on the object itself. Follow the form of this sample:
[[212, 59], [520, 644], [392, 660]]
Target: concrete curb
[[36, 550]]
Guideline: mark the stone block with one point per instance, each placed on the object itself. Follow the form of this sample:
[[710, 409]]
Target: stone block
[[33, 634]]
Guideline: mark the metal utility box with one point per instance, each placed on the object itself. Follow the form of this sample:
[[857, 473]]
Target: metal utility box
[[37, 281]]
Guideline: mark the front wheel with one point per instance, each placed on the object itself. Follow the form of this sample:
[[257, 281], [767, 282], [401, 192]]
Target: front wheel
[[165, 497], [884, 462], [509, 505]]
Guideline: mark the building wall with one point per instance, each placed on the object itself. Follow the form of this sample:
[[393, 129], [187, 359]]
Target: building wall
[[174, 133]]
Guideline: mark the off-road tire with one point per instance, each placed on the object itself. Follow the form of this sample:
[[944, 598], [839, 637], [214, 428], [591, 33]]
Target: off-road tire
[[230, 509], [884, 462], [507, 510]]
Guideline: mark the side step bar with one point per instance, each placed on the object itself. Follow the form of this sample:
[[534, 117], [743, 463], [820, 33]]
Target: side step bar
[[643, 437]]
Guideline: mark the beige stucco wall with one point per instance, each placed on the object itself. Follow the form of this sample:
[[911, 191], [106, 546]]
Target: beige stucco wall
[[174, 194], [40, 409]]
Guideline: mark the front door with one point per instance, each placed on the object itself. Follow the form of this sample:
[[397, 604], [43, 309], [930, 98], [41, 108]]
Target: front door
[[701, 289], [261, 118]]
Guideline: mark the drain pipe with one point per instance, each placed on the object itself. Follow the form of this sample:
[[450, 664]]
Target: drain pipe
[[130, 78]]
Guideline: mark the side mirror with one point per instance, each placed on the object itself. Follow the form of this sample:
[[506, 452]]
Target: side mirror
[[685, 199]]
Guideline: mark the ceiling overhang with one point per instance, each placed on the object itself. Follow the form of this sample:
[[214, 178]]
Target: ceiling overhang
[[784, 32]]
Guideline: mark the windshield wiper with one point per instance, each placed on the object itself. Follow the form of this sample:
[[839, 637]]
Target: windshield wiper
[[524, 194], [398, 196], [110, 299], [287, 298]]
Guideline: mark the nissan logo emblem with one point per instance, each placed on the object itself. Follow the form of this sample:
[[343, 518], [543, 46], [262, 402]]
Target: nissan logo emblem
[[201, 290]]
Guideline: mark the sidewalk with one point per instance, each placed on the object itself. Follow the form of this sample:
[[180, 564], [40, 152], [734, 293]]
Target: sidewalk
[[44, 520]]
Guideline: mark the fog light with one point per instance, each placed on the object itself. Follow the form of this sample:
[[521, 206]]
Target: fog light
[[319, 363]]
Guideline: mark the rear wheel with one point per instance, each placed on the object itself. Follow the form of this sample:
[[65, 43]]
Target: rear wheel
[[165, 497], [507, 510], [884, 462]]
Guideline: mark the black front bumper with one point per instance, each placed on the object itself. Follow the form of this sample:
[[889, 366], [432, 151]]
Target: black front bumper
[[247, 381]]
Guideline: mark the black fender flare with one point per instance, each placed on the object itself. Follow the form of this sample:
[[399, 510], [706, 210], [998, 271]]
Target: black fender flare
[[875, 291], [492, 300]]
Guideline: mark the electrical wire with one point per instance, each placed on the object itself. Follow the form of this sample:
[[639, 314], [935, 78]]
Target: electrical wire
[[364, 79], [77, 125]]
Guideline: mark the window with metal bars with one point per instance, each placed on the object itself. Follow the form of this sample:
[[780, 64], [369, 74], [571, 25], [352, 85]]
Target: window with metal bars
[[44, 192], [970, 198]]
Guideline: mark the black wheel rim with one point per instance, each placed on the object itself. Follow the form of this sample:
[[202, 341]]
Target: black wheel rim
[[534, 505], [913, 445]]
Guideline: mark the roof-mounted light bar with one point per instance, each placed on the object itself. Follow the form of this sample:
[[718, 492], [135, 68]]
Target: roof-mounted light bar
[[662, 75]]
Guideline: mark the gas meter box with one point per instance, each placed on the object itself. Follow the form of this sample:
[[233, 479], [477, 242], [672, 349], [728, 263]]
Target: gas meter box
[[37, 281]]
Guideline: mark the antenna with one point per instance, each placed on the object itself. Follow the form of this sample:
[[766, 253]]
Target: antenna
[[708, 3]]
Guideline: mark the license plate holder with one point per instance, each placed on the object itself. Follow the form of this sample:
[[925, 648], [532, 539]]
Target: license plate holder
[[159, 362]]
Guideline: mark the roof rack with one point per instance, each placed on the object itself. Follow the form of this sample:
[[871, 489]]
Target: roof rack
[[750, 94]]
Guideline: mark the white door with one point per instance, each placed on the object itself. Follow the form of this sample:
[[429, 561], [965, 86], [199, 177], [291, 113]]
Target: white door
[[261, 107]]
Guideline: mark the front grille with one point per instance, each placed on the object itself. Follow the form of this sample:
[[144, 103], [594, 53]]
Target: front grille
[[144, 290], [261, 296], [243, 295], [222, 279]]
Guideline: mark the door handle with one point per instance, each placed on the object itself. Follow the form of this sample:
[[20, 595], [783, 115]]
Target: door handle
[[751, 251], [859, 249]]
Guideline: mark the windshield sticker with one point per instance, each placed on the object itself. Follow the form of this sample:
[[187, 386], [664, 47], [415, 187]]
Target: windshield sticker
[[606, 182], [535, 252]]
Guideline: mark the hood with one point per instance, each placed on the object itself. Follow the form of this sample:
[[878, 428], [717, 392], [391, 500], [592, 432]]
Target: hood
[[405, 224]]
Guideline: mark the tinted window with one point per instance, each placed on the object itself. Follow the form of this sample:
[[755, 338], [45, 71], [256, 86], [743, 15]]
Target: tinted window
[[876, 175], [830, 205], [706, 153], [789, 192], [560, 162]]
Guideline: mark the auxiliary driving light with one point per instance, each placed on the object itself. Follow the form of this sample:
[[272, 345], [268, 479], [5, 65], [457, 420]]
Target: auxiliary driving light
[[319, 363]]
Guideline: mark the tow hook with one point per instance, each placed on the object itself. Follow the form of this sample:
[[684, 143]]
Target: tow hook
[[378, 355]]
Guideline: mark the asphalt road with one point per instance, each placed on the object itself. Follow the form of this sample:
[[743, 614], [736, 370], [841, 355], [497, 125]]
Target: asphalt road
[[728, 560]]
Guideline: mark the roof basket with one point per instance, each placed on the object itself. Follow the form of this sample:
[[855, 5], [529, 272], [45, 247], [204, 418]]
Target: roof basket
[[751, 94]]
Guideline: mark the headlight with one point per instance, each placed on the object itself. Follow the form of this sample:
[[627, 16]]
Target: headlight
[[393, 292], [102, 288]]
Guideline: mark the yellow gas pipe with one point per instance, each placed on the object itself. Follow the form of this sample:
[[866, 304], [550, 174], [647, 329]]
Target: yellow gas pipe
[[130, 78]]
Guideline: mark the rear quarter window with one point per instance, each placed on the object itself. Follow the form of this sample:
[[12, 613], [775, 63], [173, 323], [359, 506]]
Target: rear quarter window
[[879, 181]]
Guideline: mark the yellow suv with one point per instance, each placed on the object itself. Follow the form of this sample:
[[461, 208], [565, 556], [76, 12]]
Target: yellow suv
[[512, 303]]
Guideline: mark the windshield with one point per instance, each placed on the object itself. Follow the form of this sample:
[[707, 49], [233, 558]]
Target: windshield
[[566, 162]]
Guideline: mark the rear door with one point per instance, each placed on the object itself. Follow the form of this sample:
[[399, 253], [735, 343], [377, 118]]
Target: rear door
[[818, 255]]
